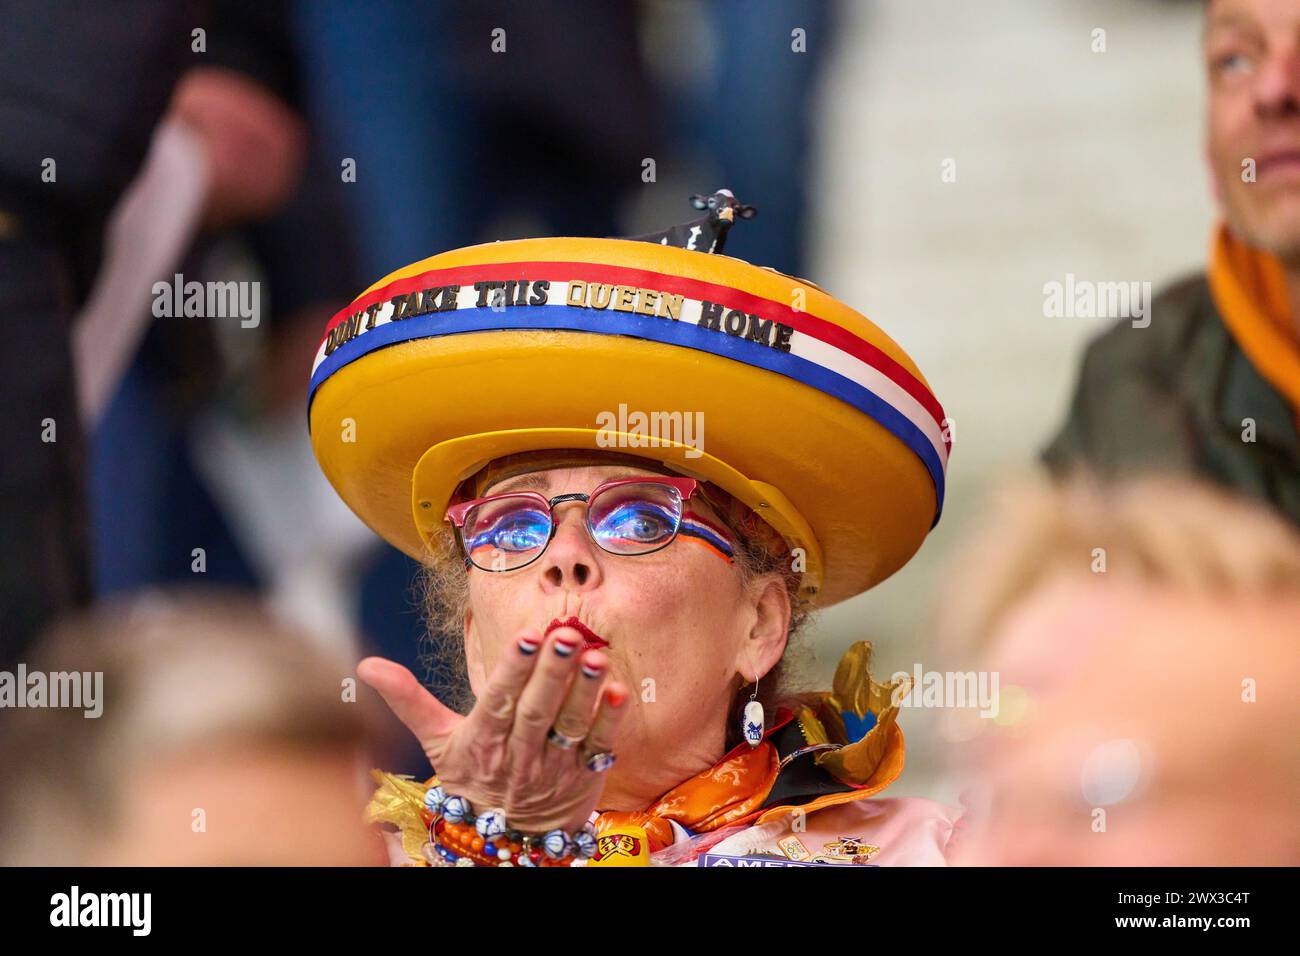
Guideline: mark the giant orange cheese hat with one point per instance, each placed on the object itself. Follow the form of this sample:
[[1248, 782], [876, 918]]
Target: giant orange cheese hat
[[807, 412]]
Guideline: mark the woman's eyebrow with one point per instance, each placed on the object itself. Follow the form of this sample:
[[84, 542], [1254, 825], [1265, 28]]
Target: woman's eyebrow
[[534, 480], [537, 481]]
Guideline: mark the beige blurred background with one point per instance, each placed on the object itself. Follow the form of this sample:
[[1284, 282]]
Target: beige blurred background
[[1067, 161]]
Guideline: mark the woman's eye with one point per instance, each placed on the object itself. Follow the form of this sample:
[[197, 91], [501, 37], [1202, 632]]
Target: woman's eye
[[644, 523], [521, 531]]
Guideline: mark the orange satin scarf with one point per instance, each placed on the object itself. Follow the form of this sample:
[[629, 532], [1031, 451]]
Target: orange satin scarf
[[729, 792], [732, 791], [1249, 289]]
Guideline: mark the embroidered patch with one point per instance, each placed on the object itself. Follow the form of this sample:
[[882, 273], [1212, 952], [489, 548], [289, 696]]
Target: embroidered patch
[[793, 848]]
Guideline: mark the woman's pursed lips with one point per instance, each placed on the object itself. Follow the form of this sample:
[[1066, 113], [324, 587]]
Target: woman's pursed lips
[[590, 639]]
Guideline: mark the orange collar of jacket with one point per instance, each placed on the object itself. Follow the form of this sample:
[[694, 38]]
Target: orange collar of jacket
[[1250, 292]]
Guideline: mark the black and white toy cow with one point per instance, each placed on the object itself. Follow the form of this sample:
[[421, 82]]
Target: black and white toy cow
[[709, 232]]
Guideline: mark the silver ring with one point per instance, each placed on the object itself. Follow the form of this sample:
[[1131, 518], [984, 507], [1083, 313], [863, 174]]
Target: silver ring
[[563, 741], [600, 762]]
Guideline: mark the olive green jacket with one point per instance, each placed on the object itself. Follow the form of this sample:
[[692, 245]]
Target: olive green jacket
[[1179, 396]]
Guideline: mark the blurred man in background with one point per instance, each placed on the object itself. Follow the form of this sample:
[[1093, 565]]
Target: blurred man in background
[[223, 738], [1210, 385], [82, 86], [1144, 641]]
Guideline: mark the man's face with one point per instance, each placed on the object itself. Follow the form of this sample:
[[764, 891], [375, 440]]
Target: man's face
[[1252, 56]]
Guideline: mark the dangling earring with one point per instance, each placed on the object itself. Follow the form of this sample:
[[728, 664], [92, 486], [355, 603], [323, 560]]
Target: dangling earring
[[751, 724]]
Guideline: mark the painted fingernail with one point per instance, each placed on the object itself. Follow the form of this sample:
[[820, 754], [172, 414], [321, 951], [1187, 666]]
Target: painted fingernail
[[592, 670], [564, 646], [616, 696], [528, 646]]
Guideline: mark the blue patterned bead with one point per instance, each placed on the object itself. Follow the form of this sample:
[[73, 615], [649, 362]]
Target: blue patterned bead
[[455, 809], [556, 844], [491, 824], [434, 798], [584, 844]]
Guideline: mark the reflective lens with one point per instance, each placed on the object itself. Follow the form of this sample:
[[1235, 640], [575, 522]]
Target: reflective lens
[[635, 518], [623, 518], [506, 533]]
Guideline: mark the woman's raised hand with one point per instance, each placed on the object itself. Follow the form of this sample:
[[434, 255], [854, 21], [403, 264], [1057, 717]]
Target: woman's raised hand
[[499, 756]]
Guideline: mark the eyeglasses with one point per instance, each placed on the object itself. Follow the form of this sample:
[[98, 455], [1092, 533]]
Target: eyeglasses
[[624, 516]]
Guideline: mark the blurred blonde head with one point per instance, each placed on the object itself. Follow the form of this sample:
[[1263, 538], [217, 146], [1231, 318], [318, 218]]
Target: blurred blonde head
[[1144, 637], [226, 737]]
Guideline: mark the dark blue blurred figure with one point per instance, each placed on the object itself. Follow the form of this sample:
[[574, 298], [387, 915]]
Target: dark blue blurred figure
[[81, 86], [756, 117]]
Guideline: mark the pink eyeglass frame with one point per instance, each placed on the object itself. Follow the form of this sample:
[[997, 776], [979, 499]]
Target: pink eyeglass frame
[[456, 514], [686, 487]]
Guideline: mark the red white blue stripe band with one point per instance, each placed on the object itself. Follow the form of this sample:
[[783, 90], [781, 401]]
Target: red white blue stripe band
[[821, 354]]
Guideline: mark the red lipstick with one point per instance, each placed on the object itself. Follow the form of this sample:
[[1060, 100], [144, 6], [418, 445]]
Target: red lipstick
[[590, 638]]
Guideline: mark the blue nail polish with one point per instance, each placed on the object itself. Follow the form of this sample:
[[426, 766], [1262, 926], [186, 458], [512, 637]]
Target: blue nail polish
[[589, 671], [527, 647], [565, 650]]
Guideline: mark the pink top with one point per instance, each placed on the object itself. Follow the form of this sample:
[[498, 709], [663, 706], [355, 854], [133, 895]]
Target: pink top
[[909, 831]]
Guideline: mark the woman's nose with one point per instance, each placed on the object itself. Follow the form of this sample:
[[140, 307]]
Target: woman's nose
[[571, 562]]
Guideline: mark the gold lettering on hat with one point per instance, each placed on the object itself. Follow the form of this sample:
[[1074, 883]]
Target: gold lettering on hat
[[670, 306], [623, 296], [578, 294]]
